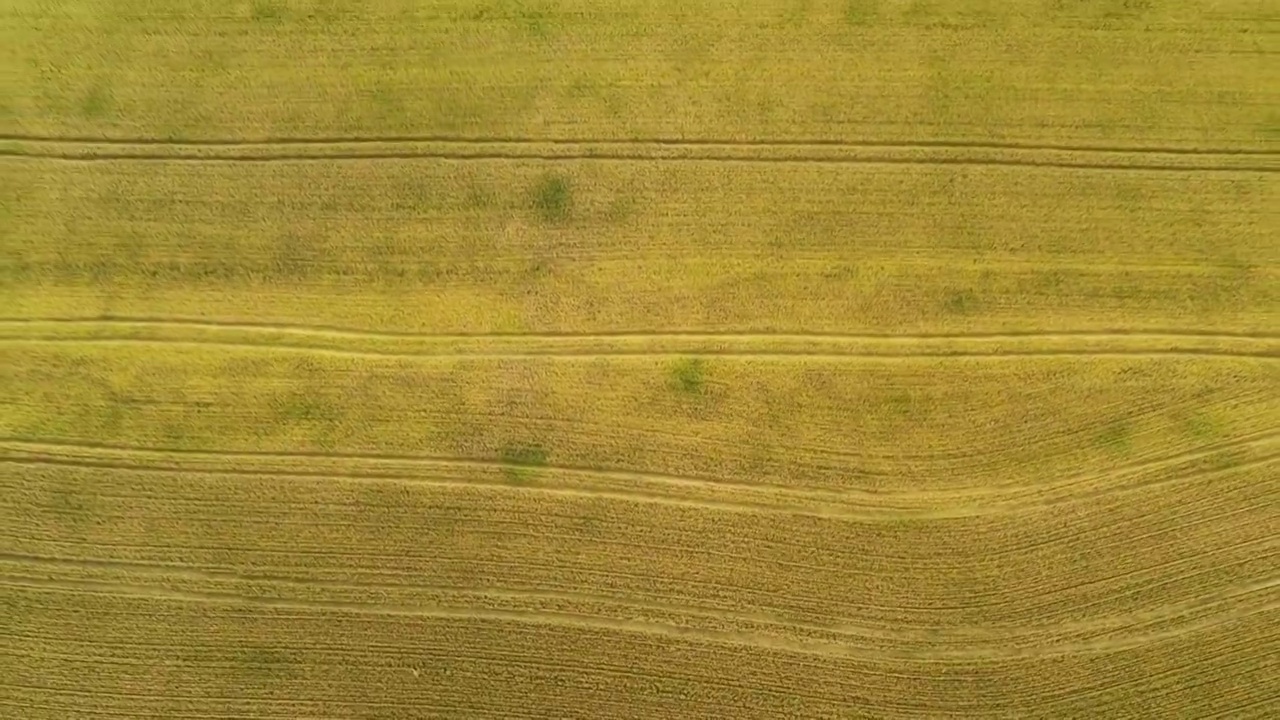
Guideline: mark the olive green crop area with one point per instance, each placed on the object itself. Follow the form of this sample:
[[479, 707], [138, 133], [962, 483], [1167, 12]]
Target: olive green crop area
[[1102, 72], [595, 246]]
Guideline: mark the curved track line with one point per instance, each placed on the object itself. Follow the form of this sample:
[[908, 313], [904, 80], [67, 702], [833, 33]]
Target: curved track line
[[479, 524], [1186, 670], [442, 461], [917, 567], [407, 709], [538, 666], [1259, 706], [207, 575], [977, 636], [843, 628], [47, 451], [1040, 606], [847, 503], [726, 506], [553, 619], [807, 646]]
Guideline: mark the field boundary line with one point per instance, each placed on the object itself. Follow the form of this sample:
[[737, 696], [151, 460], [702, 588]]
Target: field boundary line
[[906, 153]]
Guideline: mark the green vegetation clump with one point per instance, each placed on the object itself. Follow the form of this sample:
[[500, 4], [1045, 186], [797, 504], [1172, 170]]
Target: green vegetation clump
[[96, 103], [689, 375], [961, 303], [263, 662], [553, 198], [524, 455], [266, 11], [521, 461], [860, 12], [1116, 437], [1203, 427]]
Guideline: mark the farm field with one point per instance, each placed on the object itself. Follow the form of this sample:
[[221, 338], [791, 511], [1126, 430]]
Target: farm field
[[639, 360]]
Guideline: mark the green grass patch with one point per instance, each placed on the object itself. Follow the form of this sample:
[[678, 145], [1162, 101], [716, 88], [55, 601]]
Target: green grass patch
[[902, 404], [1116, 437], [96, 103], [1270, 127], [1202, 427], [524, 455], [302, 407], [534, 22], [1127, 8], [266, 11], [16, 609], [536, 269], [841, 272], [918, 10], [961, 302], [263, 662], [298, 256], [621, 209], [388, 105], [1226, 459], [307, 413], [520, 15], [689, 375], [861, 12], [521, 462], [553, 198], [72, 502], [479, 197]]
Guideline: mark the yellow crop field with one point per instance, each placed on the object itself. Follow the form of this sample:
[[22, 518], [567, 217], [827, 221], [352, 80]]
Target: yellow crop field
[[639, 359]]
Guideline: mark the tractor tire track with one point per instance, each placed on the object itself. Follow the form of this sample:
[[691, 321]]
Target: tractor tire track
[[658, 150]]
